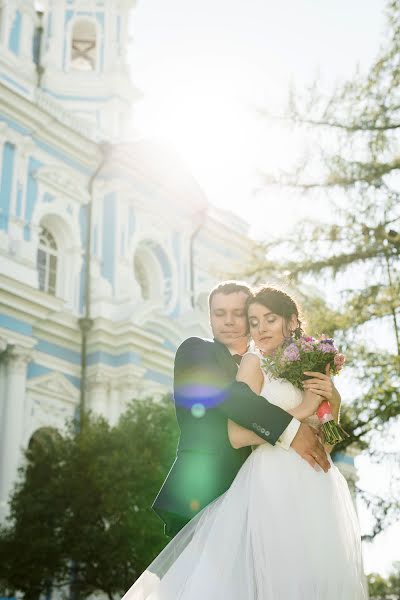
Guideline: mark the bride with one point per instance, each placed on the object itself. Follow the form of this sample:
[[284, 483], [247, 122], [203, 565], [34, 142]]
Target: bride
[[282, 531]]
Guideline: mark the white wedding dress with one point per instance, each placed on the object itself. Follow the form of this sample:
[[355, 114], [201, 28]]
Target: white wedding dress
[[282, 531]]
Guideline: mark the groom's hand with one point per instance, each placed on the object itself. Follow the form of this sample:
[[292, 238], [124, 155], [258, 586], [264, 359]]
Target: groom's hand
[[307, 443]]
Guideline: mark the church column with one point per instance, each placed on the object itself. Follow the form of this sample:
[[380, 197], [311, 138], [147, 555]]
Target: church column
[[16, 361], [98, 386], [3, 346], [115, 404]]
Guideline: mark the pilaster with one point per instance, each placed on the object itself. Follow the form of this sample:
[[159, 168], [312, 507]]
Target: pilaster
[[16, 360], [98, 394]]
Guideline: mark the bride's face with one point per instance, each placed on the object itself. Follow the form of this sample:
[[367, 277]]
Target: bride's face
[[268, 329]]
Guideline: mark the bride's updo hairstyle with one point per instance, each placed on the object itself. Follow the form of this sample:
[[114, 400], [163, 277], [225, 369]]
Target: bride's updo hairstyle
[[279, 303]]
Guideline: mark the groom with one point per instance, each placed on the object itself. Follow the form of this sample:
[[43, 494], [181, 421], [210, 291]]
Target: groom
[[206, 395]]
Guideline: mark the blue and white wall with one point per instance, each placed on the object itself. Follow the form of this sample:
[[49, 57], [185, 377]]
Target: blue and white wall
[[18, 21], [143, 222]]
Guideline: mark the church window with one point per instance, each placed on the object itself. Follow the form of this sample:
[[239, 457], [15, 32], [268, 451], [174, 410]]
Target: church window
[[47, 257], [153, 273], [142, 277], [84, 46], [15, 33]]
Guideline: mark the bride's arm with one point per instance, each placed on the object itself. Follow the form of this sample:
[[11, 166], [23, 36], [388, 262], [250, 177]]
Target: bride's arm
[[250, 373], [323, 385]]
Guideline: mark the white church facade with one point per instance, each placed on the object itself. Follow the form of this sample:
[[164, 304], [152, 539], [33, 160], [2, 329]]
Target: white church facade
[[107, 248]]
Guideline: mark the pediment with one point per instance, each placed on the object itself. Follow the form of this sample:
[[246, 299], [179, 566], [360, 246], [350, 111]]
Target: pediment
[[63, 182], [54, 385]]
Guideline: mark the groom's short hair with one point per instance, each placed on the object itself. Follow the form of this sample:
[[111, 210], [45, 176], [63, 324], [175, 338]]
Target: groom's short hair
[[229, 287]]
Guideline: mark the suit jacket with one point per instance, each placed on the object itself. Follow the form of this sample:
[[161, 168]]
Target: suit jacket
[[206, 394]]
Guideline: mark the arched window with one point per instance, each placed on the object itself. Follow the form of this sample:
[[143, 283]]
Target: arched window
[[47, 257], [142, 277], [153, 273], [84, 46]]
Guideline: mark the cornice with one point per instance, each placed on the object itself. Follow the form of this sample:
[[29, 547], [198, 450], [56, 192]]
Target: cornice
[[11, 337], [53, 363], [118, 338], [27, 302], [224, 234], [44, 120]]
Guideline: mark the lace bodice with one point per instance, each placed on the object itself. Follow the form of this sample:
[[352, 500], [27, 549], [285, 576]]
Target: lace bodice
[[282, 393]]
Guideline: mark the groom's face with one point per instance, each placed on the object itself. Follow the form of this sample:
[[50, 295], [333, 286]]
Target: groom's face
[[228, 320]]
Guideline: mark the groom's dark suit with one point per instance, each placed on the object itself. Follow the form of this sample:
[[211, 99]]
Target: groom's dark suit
[[206, 394]]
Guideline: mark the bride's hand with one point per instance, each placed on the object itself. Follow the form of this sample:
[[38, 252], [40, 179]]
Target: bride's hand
[[320, 384], [310, 404]]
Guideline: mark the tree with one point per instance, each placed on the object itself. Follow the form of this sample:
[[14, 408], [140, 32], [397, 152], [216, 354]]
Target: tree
[[85, 501], [356, 130], [385, 589], [30, 548]]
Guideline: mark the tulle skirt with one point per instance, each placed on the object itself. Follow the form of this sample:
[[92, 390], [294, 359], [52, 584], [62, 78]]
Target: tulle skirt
[[283, 531]]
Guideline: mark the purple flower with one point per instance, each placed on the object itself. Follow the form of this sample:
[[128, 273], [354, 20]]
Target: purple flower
[[326, 348], [291, 353]]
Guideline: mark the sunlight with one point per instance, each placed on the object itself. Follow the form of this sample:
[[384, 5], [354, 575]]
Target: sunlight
[[199, 111]]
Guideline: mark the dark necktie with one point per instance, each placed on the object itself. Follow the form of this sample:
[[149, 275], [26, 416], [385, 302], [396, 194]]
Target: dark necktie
[[237, 358]]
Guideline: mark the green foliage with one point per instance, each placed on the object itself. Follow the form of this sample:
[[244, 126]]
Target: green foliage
[[385, 589], [84, 500], [358, 169]]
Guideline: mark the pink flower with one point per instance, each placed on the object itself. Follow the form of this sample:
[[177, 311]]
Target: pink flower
[[306, 344], [339, 360]]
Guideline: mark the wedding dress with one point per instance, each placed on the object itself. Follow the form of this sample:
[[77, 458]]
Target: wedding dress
[[283, 531]]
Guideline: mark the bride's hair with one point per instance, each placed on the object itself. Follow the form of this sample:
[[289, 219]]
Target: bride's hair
[[279, 302]]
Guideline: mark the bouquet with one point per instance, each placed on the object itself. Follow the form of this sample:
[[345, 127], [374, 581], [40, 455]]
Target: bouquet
[[309, 354]]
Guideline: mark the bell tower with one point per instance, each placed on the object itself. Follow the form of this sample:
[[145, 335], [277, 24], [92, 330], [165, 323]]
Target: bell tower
[[84, 61]]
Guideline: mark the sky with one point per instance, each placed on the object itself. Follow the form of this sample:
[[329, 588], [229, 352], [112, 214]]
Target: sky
[[207, 67]]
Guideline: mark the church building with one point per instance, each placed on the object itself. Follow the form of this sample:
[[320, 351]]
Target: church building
[[108, 246]]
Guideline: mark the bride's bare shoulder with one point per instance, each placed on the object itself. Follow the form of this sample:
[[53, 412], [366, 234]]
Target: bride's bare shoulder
[[250, 371]]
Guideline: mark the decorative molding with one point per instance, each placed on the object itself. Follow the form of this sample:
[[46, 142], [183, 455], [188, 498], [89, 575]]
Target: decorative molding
[[17, 358], [66, 117], [63, 182], [54, 385]]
